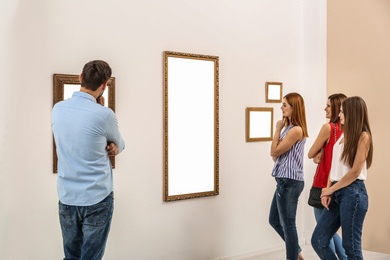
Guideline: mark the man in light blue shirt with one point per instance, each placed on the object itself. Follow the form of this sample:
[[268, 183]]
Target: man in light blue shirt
[[86, 133]]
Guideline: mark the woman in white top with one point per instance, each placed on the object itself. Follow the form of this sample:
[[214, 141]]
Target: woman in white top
[[345, 196]]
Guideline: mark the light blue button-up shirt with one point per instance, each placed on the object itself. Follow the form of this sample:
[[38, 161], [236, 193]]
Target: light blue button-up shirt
[[82, 128]]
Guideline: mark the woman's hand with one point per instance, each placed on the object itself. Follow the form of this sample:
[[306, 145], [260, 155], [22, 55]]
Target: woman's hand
[[326, 197], [317, 158], [325, 201], [280, 124], [279, 147]]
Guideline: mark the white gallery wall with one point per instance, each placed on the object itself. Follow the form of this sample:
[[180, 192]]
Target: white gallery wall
[[256, 41]]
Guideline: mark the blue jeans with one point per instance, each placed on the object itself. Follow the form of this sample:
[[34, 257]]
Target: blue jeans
[[282, 216], [347, 209], [85, 229], [336, 242]]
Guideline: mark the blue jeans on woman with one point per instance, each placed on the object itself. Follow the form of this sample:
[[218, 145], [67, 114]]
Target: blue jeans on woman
[[347, 209], [85, 229], [336, 242], [282, 216]]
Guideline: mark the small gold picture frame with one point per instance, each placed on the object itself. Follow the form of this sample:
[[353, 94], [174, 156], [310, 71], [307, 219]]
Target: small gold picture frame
[[259, 124], [273, 92]]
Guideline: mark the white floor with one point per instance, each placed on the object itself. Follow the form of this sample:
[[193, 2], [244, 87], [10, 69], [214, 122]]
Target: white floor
[[309, 254]]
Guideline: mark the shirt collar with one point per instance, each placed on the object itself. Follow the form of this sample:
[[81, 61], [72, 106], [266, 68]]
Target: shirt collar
[[84, 95]]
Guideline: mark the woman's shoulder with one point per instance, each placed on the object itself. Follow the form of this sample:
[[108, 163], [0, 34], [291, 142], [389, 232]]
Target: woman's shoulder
[[324, 132], [295, 128], [365, 137], [296, 131], [326, 127]]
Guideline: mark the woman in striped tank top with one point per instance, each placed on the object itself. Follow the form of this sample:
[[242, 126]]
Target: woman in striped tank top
[[287, 150]]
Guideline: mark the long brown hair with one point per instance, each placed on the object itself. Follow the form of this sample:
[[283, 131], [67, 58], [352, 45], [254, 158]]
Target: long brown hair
[[335, 105], [298, 116], [355, 123]]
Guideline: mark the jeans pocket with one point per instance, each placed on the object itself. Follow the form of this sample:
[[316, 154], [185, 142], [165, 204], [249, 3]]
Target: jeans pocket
[[65, 215], [98, 214]]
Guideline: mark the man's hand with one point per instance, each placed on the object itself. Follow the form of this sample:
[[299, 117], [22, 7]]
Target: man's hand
[[100, 100], [111, 149]]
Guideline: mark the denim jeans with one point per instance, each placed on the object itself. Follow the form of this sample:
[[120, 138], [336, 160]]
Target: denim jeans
[[347, 209], [282, 216], [85, 229], [336, 242]]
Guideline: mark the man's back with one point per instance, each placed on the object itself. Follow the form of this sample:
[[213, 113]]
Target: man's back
[[82, 129]]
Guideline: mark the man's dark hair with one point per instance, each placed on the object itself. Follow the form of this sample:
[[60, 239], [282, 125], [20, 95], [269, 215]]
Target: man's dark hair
[[95, 73]]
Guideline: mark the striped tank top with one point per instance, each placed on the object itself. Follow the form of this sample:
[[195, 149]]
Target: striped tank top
[[290, 164]]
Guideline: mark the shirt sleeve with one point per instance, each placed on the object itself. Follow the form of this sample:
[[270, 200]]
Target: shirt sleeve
[[113, 134]]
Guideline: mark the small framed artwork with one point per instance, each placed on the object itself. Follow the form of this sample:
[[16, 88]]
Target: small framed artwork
[[273, 92], [259, 124]]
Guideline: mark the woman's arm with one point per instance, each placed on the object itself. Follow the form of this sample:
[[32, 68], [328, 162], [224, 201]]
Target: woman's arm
[[325, 200], [322, 138], [358, 164], [294, 135]]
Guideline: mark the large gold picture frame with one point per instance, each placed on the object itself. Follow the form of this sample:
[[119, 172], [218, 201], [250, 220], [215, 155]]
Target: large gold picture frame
[[191, 126]]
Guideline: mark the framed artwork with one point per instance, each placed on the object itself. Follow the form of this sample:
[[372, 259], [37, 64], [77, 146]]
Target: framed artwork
[[259, 124], [273, 92], [191, 131]]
